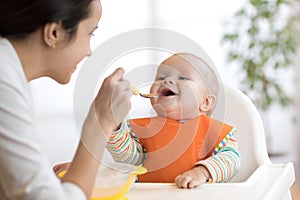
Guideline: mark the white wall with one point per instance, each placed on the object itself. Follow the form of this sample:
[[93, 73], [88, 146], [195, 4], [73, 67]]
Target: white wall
[[200, 20]]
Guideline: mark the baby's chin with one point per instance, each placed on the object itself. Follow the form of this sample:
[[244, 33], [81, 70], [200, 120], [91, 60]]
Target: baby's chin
[[161, 111]]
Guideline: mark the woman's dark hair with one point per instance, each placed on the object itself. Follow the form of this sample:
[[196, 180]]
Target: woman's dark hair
[[19, 18]]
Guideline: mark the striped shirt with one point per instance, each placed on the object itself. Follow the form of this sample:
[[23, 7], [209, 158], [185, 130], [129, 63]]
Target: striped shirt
[[222, 165]]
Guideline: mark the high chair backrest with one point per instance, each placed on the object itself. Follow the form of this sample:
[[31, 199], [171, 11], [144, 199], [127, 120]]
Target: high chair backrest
[[241, 113]]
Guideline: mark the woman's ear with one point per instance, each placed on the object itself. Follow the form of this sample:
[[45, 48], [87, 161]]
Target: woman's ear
[[52, 33], [208, 103]]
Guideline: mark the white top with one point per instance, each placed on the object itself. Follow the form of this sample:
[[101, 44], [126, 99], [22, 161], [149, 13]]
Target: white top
[[25, 172]]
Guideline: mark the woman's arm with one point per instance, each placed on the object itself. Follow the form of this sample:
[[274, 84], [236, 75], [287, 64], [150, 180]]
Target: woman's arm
[[108, 110]]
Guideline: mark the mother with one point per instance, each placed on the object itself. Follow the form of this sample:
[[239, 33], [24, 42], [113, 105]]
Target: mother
[[49, 38]]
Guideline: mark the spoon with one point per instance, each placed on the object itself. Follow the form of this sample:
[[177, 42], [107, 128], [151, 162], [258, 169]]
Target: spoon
[[137, 92]]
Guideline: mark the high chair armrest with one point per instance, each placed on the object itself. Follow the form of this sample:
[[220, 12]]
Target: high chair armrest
[[281, 177], [268, 182]]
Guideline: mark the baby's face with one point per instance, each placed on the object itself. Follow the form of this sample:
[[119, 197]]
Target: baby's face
[[180, 90]]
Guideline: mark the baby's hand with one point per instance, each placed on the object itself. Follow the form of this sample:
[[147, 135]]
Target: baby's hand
[[192, 178]]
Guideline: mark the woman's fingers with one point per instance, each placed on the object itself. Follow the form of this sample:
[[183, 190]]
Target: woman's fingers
[[113, 100], [117, 75]]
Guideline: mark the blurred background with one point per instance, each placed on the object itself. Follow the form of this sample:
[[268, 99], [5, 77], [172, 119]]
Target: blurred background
[[253, 44]]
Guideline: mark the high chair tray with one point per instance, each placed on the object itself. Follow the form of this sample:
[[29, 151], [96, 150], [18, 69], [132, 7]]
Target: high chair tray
[[268, 182]]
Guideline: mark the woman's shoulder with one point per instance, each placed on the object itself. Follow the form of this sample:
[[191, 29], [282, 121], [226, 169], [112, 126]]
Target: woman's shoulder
[[14, 87], [10, 65]]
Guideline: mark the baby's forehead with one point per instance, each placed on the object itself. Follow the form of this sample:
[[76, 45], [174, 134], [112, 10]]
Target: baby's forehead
[[178, 70], [184, 64]]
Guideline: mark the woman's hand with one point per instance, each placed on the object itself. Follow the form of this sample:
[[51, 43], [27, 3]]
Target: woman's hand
[[113, 101], [192, 178]]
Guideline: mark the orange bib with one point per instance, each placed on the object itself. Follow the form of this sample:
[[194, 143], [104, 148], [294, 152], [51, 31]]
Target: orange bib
[[174, 147]]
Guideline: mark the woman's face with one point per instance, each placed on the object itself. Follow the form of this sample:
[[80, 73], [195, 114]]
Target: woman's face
[[67, 56], [180, 88]]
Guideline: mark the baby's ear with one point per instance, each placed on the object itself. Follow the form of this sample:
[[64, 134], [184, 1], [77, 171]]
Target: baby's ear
[[208, 103]]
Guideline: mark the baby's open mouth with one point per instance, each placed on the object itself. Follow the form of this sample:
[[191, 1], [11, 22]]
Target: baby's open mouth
[[167, 92]]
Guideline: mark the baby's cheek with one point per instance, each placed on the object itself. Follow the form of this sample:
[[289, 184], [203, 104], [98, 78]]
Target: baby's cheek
[[153, 101], [154, 88]]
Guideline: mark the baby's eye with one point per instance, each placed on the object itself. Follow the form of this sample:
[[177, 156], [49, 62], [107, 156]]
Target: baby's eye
[[182, 78], [160, 78]]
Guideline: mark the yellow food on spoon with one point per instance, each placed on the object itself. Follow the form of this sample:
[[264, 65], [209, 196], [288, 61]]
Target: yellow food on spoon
[[135, 91]]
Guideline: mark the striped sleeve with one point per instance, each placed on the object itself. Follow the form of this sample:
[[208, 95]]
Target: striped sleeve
[[225, 161], [124, 146]]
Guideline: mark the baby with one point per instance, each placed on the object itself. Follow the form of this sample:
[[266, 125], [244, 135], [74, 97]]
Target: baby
[[182, 144]]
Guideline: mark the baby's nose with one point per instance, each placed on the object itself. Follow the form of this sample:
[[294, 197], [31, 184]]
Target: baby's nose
[[168, 81]]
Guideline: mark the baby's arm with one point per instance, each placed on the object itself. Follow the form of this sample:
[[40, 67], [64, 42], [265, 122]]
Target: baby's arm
[[124, 146], [224, 163], [220, 167]]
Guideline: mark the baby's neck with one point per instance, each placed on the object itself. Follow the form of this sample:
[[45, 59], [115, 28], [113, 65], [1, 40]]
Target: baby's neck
[[182, 121]]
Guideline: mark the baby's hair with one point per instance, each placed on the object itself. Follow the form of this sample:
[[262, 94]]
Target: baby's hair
[[206, 71]]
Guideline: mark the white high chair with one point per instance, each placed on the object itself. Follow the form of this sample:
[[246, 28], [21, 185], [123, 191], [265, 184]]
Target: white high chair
[[258, 177]]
